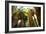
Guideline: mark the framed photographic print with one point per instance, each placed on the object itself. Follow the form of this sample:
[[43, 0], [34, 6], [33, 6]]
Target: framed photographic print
[[24, 16]]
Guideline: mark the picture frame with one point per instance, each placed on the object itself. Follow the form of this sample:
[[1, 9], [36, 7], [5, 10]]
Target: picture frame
[[8, 13]]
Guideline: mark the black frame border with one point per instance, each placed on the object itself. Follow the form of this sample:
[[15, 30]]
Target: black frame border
[[7, 16]]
